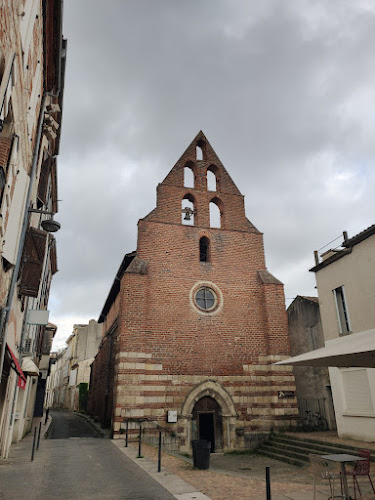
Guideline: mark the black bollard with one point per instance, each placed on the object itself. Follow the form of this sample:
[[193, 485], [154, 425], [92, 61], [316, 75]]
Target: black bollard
[[47, 413], [140, 440], [33, 449], [159, 453], [268, 483], [126, 433], [37, 443]]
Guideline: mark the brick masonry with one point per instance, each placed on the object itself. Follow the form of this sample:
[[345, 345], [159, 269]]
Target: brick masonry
[[167, 353]]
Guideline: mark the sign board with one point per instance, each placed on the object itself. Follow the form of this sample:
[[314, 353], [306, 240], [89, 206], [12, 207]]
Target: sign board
[[285, 394], [38, 317], [172, 416]]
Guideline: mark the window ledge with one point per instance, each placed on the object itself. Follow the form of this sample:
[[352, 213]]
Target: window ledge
[[359, 414]]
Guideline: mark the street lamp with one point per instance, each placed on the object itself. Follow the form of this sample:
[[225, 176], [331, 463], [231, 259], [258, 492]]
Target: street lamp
[[49, 225]]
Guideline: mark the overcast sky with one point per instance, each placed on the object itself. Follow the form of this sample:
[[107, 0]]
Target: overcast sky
[[283, 90]]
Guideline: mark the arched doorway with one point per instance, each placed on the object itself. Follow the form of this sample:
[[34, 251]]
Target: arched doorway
[[208, 420]]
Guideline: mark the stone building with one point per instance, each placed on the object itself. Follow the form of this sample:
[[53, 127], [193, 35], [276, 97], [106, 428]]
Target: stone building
[[313, 387], [71, 367], [194, 320], [32, 62]]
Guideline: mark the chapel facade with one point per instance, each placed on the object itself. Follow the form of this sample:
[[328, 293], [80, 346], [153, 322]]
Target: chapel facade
[[194, 320]]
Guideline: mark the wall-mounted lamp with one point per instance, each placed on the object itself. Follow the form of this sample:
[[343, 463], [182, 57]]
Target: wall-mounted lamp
[[49, 225]]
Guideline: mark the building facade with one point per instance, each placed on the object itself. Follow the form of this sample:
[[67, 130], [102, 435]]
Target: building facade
[[346, 287], [32, 62], [313, 387], [194, 320], [69, 379]]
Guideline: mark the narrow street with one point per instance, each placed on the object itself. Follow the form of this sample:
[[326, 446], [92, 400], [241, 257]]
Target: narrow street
[[73, 463]]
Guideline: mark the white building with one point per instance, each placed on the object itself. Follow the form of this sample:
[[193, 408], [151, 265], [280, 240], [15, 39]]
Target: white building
[[345, 280], [32, 62], [346, 285]]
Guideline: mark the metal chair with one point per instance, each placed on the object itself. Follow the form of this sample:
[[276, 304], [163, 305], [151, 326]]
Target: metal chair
[[326, 470], [361, 468]]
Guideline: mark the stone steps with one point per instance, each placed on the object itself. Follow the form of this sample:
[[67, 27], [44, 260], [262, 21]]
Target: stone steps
[[296, 450]]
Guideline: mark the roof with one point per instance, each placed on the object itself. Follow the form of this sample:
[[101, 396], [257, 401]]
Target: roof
[[347, 245], [305, 298], [366, 233], [312, 299], [115, 288], [267, 278]]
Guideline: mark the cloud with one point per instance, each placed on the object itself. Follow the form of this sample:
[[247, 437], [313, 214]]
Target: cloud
[[283, 90]]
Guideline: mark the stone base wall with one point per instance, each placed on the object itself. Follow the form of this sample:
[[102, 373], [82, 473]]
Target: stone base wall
[[250, 404]]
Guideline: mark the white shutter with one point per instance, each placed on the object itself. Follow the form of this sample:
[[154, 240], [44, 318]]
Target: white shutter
[[357, 391]]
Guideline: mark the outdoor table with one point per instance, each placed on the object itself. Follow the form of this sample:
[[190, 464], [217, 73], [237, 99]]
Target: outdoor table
[[342, 458]]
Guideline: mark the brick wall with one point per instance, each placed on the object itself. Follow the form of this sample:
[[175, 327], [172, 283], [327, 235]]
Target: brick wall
[[169, 349]]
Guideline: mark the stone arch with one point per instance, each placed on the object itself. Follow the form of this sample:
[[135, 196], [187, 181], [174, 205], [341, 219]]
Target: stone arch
[[214, 390]]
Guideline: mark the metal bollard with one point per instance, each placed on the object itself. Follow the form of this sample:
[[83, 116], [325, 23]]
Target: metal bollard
[[47, 413], [268, 483], [126, 433], [140, 440], [33, 449], [159, 453], [37, 443]]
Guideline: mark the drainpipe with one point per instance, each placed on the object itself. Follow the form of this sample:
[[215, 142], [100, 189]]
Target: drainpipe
[[104, 423], [4, 318]]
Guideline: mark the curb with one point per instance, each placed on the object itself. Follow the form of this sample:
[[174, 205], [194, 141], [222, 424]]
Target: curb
[[96, 428]]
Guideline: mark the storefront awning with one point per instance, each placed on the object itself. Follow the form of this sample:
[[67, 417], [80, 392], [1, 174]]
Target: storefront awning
[[18, 369], [29, 367], [356, 349]]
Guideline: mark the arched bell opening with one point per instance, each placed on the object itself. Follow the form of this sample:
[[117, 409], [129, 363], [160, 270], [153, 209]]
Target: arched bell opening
[[188, 210], [189, 175]]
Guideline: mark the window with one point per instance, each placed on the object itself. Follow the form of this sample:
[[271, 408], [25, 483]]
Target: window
[[357, 391], [205, 299], [342, 310], [204, 247], [33, 257]]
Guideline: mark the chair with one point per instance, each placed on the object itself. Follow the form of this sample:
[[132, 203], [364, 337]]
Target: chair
[[361, 468], [326, 470]]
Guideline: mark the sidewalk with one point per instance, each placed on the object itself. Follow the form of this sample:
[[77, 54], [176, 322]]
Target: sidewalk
[[21, 451], [236, 477]]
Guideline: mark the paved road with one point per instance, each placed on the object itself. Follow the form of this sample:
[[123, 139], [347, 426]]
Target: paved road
[[79, 468], [66, 425]]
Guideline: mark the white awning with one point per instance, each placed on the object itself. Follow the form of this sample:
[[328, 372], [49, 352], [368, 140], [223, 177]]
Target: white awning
[[356, 349], [29, 367]]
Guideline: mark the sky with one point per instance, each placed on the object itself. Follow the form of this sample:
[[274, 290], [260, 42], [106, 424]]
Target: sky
[[284, 92]]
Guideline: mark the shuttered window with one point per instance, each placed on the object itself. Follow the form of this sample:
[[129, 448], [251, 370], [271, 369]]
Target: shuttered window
[[32, 261], [53, 257], [357, 391]]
